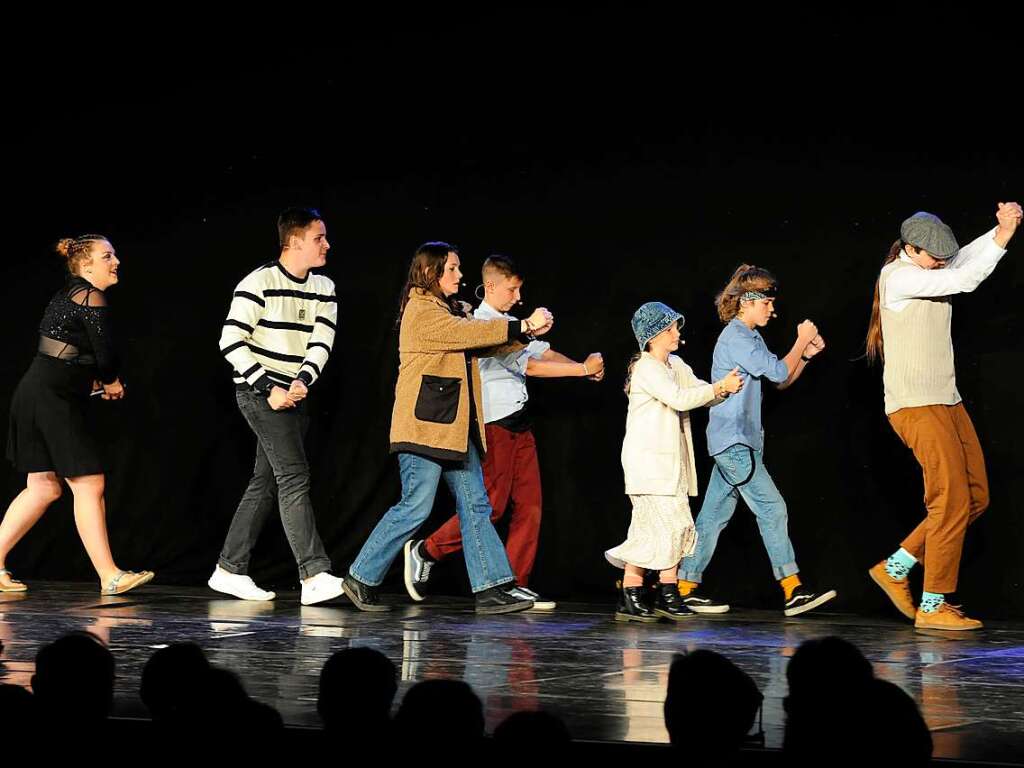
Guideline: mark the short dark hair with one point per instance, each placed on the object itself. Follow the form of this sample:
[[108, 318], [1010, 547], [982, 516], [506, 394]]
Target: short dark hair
[[295, 221]]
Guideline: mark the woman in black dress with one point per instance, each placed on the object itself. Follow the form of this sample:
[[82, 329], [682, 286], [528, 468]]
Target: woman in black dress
[[48, 437]]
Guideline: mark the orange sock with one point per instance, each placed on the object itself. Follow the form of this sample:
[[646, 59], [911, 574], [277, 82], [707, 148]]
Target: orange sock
[[788, 584], [686, 587]]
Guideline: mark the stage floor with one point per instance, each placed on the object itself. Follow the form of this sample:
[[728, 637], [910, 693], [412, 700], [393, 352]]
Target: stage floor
[[606, 680]]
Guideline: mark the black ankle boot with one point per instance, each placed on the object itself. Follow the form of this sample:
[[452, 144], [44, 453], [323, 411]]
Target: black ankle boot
[[632, 607], [669, 603]]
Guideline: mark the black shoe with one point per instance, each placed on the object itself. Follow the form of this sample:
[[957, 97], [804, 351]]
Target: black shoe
[[633, 608], [670, 603], [699, 603], [501, 600], [804, 599], [362, 595]]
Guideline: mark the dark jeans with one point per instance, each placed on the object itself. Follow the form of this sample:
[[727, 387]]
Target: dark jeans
[[281, 470]]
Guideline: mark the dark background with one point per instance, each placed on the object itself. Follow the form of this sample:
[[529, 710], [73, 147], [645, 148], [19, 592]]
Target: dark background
[[620, 154]]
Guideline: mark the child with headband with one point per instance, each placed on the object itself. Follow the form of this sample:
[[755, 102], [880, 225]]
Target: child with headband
[[736, 442]]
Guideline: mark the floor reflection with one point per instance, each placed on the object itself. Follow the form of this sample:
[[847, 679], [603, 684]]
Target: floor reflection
[[606, 680]]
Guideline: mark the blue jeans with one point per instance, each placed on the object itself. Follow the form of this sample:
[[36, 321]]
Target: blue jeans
[[482, 548], [726, 486]]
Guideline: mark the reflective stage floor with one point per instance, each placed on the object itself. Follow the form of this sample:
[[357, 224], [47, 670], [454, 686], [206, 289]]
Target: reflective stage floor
[[606, 680]]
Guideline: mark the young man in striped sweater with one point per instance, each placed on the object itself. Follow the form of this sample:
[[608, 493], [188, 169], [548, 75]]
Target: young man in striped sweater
[[277, 337]]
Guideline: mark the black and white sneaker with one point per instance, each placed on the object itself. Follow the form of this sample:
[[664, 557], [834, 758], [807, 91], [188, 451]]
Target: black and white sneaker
[[699, 603], [804, 599], [501, 599], [539, 603], [417, 571]]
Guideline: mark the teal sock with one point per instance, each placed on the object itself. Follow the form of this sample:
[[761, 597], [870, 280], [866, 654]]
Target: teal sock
[[930, 601], [899, 564]]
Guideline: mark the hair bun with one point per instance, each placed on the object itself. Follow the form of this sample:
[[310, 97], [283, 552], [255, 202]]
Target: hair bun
[[63, 247]]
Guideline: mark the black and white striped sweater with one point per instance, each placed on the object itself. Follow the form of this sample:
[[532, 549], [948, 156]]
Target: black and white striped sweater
[[279, 327]]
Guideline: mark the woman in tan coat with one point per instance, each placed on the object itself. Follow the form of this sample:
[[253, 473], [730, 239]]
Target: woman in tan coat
[[436, 430]]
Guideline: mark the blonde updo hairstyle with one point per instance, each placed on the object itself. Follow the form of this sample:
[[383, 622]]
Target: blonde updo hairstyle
[[77, 251]]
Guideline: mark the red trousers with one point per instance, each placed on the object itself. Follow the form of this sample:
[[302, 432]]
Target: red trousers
[[511, 473]]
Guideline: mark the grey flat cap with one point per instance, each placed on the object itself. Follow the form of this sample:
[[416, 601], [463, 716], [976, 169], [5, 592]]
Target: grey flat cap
[[926, 231]]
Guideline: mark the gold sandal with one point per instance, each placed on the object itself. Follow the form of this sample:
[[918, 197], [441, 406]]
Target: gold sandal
[[125, 581], [15, 586]]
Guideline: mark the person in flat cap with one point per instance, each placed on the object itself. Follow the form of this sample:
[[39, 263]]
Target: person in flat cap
[[658, 463], [736, 443], [910, 333]]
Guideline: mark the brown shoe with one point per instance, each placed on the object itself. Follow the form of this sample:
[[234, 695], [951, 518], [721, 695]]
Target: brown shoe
[[949, 617], [897, 590]]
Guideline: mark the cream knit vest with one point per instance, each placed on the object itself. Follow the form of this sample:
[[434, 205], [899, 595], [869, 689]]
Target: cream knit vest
[[918, 368]]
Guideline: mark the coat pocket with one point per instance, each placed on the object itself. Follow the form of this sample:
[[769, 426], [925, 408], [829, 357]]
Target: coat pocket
[[438, 401]]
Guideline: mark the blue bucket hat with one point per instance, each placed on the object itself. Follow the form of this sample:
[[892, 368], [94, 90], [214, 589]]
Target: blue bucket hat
[[651, 319]]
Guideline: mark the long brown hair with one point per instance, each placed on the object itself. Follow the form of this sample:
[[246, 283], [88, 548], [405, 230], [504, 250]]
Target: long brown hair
[[746, 278], [874, 349], [425, 271], [629, 369], [77, 250]]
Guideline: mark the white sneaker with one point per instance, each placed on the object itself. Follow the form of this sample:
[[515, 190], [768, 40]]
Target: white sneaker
[[320, 588], [539, 603], [238, 585]]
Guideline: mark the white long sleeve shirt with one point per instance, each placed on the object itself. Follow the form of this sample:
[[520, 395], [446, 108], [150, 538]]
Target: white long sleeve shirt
[[961, 274]]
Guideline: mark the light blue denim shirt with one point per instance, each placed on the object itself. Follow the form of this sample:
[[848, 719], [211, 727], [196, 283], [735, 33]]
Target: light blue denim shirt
[[504, 377], [738, 419]]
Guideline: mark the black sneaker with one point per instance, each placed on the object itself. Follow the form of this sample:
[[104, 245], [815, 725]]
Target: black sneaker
[[669, 603], [699, 603], [539, 603], [362, 595], [804, 599], [501, 600]]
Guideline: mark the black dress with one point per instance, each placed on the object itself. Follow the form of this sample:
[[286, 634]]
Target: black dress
[[48, 431]]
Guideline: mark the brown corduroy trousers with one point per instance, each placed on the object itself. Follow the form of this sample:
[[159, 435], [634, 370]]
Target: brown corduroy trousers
[[946, 446]]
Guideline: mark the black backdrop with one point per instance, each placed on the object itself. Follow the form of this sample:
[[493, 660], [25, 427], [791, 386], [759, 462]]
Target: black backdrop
[[620, 156]]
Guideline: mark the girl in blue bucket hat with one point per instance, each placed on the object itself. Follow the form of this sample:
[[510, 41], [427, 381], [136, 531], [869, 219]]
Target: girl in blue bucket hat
[[658, 462]]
